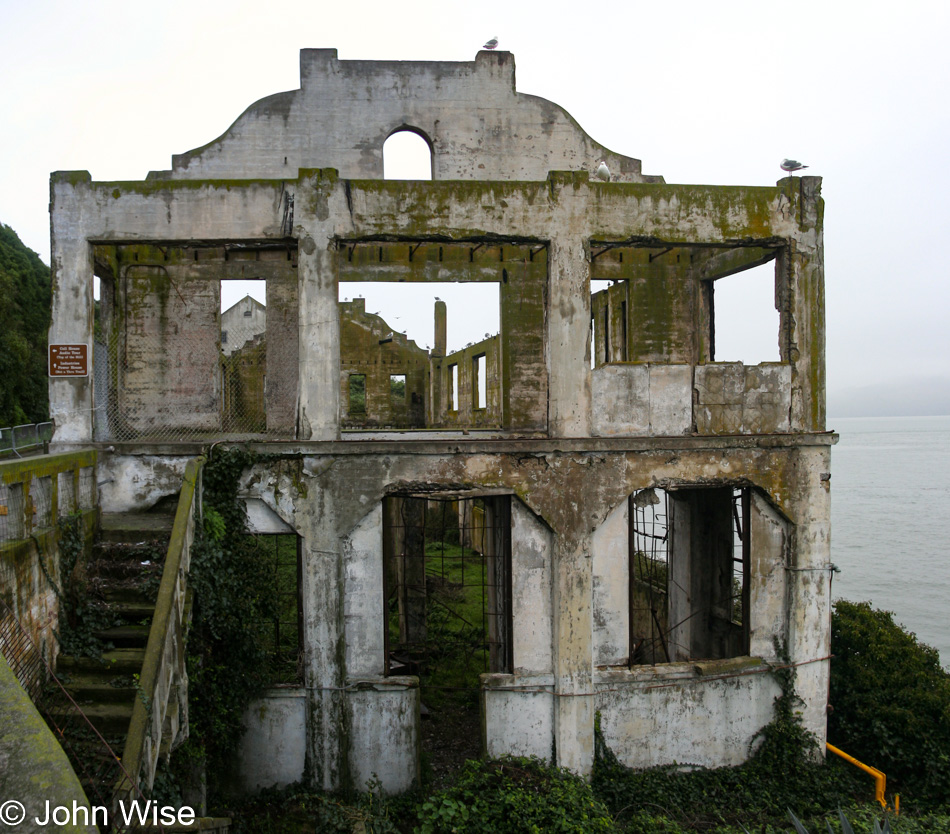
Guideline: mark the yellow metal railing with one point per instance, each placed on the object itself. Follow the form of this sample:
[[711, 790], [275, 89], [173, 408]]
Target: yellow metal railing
[[880, 779]]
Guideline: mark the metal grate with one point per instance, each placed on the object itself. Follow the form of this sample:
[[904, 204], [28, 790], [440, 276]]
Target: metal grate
[[283, 631], [448, 588]]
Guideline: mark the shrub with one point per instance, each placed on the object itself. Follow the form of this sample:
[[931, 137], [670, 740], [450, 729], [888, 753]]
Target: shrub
[[890, 702], [520, 796]]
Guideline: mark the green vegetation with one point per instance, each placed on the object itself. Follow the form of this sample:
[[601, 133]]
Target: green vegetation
[[890, 702], [227, 648], [24, 322], [885, 667]]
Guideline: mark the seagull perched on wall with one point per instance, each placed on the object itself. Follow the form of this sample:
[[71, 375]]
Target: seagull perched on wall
[[602, 172], [792, 165], [492, 43]]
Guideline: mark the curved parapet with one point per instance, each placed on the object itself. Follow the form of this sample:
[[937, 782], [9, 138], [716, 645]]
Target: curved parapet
[[475, 122]]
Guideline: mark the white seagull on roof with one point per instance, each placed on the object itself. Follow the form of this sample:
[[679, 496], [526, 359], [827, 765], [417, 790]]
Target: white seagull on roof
[[492, 43], [602, 172], [792, 165]]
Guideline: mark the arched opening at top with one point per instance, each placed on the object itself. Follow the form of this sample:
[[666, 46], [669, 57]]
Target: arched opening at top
[[407, 155]]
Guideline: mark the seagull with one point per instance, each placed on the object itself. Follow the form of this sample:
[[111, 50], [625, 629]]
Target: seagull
[[492, 43], [603, 172], [792, 165]]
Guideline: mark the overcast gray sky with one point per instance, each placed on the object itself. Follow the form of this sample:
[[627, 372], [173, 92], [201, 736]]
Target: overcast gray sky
[[701, 92]]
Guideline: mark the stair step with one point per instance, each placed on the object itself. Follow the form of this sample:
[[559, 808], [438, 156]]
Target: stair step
[[108, 719], [132, 611], [116, 661], [132, 528], [126, 598], [90, 688], [125, 636]]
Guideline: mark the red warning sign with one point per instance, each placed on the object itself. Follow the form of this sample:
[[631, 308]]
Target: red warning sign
[[69, 360]]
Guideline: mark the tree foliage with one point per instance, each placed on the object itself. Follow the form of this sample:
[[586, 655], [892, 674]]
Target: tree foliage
[[24, 322], [890, 702]]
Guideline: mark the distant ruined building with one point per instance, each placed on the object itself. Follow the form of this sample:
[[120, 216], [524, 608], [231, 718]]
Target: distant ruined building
[[582, 514]]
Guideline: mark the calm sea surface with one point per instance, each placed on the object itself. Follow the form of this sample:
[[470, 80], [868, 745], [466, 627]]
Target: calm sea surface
[[890, 520]]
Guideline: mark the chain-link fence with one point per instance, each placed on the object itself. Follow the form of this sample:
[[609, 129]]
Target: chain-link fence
[[199, 385]]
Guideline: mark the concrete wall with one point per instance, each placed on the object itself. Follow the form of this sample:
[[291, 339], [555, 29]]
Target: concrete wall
[[476, 124], [273, 748], [677, 714]]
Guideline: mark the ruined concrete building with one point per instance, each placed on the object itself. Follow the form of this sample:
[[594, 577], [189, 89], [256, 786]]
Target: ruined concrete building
[[646, 529]]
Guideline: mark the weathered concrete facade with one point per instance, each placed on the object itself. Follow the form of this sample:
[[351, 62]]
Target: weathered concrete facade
[[565, 451]]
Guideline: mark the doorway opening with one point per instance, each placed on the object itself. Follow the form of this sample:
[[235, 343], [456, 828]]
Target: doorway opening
[[447, 584]]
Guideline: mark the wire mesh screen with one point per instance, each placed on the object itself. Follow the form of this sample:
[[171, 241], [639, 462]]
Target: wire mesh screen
[[282, 631], [448, 589], [649, 577], [689, 574], [21, 652], [170, 366]]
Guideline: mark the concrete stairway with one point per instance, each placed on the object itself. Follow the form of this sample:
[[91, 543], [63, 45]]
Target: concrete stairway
[[123, 576]]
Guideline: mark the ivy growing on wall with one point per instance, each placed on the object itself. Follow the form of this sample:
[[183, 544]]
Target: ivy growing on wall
[[227, 661]]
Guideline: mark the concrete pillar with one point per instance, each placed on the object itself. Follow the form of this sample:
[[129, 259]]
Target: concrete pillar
[[322, 581], [441, 329], [809, 581], [319, 318], [573, 655], [71, 263], [568, 330], [801, 291]]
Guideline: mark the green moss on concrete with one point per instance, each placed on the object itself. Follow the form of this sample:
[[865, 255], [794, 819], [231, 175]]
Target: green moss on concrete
[[33, 767]]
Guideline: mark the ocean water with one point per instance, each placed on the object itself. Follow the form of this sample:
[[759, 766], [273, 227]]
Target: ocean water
[[890, 520]]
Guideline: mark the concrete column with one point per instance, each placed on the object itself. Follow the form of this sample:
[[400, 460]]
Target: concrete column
[[568, 331], [809, 582], [319, 317], [441, 329], [322, 582], [71, 263], [573, 655], [802, 301]]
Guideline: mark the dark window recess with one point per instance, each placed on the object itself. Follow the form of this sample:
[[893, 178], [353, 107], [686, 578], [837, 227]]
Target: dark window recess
[[689, 574], [447, 578], [282, 632]]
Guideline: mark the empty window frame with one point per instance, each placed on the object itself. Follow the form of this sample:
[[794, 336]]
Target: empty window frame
[[397, 390], [407, 155], [689, 558], [744, 320], [480, 381], [453, 392], [447, 578], [357, 394], [282, 631]]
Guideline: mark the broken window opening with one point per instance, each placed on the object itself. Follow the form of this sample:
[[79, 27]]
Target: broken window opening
[[243, 355], [609, 315], [397, 395], [407, 155], [282, 632], [689, 569], [743, 317], [453, 387], [480, 381], [357, 394], [447, 586]]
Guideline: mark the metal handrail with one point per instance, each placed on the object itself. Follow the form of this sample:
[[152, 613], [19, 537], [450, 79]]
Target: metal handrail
[[42, 434]]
